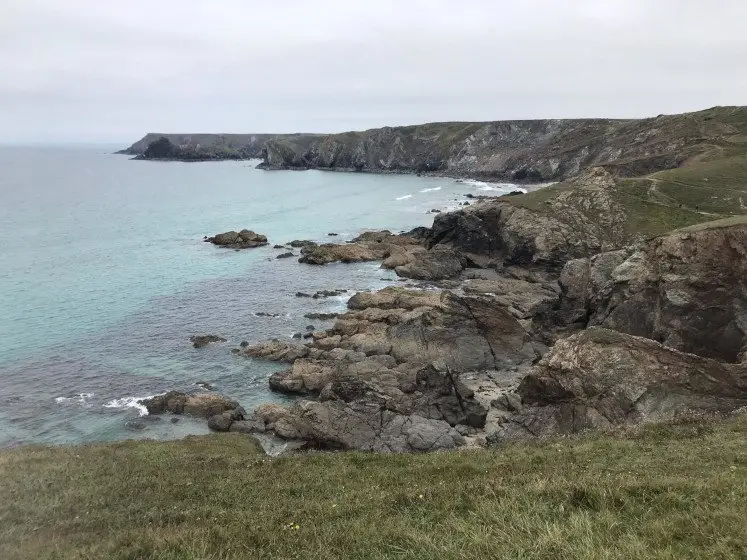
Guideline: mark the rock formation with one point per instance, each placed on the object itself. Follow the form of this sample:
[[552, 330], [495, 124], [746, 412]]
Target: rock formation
[[244, 239], [411, 370]]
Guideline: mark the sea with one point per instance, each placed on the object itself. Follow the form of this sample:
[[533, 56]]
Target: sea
[[104, 276]]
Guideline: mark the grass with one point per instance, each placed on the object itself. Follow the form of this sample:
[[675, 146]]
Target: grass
[[705, 189], [666, 491]]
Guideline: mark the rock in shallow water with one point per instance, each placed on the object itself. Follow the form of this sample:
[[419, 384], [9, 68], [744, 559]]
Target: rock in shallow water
[[244, 239], [200, 341]]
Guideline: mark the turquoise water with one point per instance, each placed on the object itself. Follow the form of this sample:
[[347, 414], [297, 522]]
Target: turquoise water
[[103, 278]]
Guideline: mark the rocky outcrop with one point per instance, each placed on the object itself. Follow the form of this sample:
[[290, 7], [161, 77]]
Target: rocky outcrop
[[219, 411], [200, 406], [202, 340], [339, 425], [437, 264], [599, 378], [394, 366], [369, 246], [244, 239], [576, 222], [687, 290]]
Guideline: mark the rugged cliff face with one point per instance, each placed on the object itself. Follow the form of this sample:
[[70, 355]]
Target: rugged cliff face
[[533, 150], [201, 147], [522, 150]]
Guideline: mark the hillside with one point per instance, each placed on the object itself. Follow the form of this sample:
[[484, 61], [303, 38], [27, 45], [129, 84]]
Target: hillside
[[518, 150], [660, 491]]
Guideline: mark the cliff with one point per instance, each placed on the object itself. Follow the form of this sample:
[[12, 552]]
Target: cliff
[[523, 150], [202, 147], [519, 150]]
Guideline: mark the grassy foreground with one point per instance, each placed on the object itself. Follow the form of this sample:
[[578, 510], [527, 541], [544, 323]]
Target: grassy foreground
[[667, 491]]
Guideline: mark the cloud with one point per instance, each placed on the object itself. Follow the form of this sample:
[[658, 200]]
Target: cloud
[[91, 70]]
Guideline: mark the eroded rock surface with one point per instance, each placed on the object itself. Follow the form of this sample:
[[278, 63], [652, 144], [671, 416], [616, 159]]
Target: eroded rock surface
[[598, 378], [687, 290]]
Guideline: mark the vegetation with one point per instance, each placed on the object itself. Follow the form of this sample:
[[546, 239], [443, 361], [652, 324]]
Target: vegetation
[[709, 187], [664, 491]]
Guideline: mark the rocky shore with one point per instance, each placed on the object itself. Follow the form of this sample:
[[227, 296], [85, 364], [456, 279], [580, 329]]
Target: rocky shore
[[614, 297], [513, 323]]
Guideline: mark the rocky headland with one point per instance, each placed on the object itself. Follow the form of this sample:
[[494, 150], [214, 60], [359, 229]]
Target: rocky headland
[[515, 323], [518, 150]]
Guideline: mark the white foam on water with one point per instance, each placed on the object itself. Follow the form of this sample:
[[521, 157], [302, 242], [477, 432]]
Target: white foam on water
[[403, 197], [129, 402], [431, 189], [80, 398]]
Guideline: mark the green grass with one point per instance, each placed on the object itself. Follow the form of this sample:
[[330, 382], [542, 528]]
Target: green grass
[[705, 189], [667, 491]]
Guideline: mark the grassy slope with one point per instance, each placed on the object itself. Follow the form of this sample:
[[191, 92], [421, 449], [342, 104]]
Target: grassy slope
[[669, 491], [709, 188]]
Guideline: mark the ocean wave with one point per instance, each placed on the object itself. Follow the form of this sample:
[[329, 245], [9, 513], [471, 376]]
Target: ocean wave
[[129, 402], [80, 398], [431, 189], [498, 187], [403, 197]]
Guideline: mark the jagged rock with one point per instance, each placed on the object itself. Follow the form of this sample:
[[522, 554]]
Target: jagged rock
[[287, 255], [222, 422], [201, 406], [524, 300], [322, 316], [299, 243], [276, 351], [200, 341], [598, 377], [578, 222], [369, 246], [404, 352], [303, 294], [244, 239], [340, 425], [437, 264], [686, 290], [328, 293]]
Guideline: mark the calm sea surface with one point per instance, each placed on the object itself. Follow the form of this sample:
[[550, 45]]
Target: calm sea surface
[[104, 277]]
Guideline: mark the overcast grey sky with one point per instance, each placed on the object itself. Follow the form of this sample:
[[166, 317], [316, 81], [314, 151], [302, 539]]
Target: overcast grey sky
[[100, 70]]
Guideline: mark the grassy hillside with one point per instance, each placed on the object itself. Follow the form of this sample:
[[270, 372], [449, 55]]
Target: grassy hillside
[[709, 187], [668, 491]]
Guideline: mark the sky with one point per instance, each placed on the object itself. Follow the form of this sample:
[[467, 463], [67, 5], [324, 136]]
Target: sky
[[110, 71]]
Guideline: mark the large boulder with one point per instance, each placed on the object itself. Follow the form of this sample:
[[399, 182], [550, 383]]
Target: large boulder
[[437, 264], [244, 239]]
